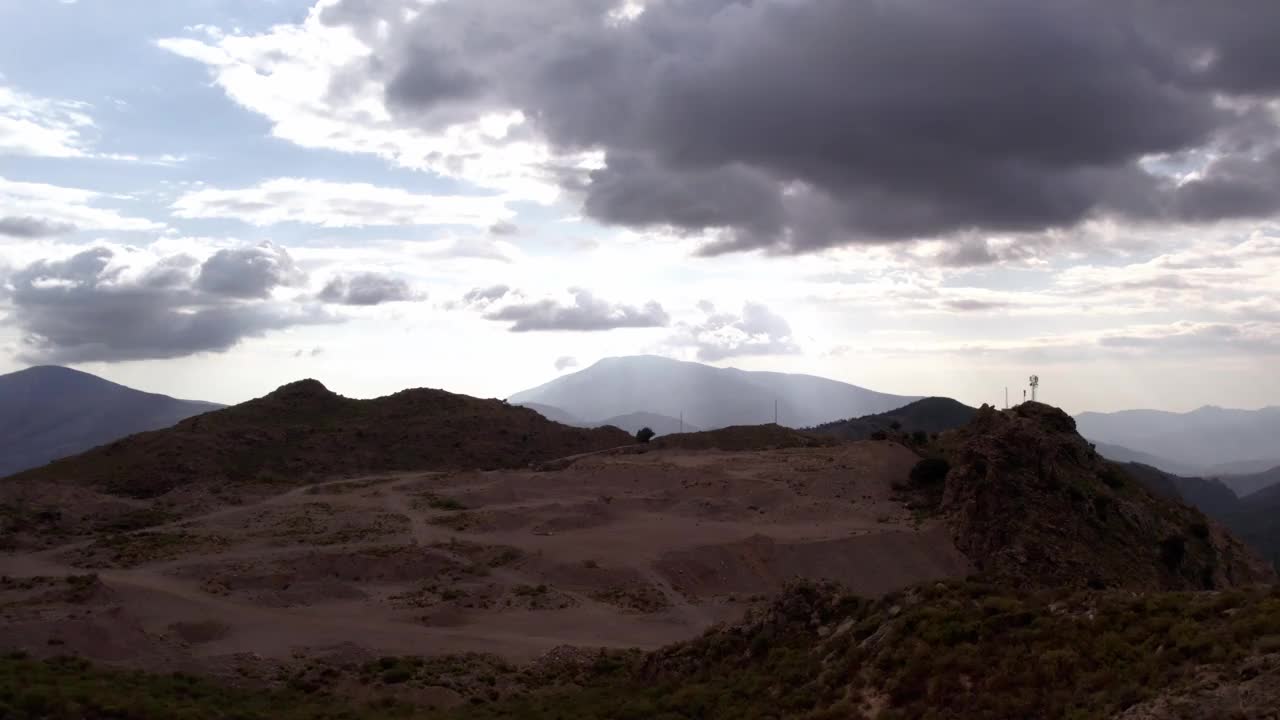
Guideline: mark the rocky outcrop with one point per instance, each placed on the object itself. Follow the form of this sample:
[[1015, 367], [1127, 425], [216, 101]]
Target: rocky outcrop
[[1031, 503]]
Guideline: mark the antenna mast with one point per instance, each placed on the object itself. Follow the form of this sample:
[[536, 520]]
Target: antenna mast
[[775, 411], [1035, 385]]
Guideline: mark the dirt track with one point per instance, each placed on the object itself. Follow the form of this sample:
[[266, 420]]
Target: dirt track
[[632, 550]]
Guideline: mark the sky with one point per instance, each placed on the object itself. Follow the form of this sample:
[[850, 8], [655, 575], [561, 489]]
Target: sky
[[211, 198]]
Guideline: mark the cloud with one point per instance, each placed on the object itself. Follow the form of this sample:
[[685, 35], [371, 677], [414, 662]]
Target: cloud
[[249, 272], [756, 331], [338, 205], [504, 229], [476, 248], [45, 127], [37, 210], [483, 297], [42, 127], [109, 304], [587, 313], [308, 80], [891, 122], [367, 288], [33, 227], [313, 352], [565, 362]]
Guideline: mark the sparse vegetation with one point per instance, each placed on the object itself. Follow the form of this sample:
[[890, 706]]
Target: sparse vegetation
[[946, 650]]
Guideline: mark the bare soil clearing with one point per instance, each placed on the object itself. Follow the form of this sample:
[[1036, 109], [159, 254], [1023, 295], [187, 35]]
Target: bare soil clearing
[[635, 549]]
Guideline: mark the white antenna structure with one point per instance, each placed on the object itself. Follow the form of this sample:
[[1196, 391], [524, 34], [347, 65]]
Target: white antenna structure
[[1035, 385]]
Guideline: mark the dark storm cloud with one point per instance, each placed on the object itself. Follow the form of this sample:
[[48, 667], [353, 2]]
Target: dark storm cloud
[[84, 309], [33, 227], [791, 125], [367, 289], [250, 272], [588, 313]]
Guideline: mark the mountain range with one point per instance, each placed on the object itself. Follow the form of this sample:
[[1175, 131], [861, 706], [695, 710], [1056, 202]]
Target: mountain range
[[50, 412], [709, 397], [1207, 441]]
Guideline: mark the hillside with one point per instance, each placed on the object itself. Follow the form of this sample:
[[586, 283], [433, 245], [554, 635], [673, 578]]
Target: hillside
[[951, 650], [51, 412], [709, 397], [1253, 518], [1203, 438], [694, 578], [929, 415], [303, 431], [1209, 495], [1257, 520], [1033, 504]]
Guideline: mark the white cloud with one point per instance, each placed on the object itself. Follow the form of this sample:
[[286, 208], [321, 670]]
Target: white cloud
[[297, 77], [585, 313], [62, 206], [339, 205], [42, 127], [757, 330]]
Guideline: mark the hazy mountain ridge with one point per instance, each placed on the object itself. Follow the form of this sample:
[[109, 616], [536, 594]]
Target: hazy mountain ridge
[[1201, 439], [631, 422], [49, 412], [709, 397], [1247, 485]]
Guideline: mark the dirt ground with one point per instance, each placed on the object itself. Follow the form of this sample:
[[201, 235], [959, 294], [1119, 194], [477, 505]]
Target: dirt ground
[[614, 550]]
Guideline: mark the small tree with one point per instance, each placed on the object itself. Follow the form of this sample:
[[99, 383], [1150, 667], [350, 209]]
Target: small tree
[[645, 435]]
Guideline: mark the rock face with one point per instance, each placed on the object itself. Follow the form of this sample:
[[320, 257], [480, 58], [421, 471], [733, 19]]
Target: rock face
[[1031, 503]]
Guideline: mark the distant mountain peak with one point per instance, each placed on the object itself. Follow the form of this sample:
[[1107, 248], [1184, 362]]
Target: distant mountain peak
[[49, 411], [708, 396]]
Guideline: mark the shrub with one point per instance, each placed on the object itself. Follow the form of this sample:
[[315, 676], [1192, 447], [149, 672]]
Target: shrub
[[919, 437], [879, 435], [930, 471], [645, 435]]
